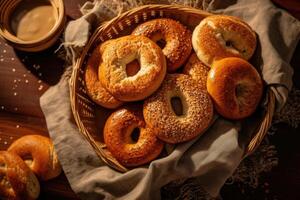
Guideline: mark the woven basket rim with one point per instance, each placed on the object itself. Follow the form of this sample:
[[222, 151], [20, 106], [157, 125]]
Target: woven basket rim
[[257, 137]]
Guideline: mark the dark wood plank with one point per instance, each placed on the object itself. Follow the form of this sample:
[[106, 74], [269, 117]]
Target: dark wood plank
[[13, 126], [24, 78]]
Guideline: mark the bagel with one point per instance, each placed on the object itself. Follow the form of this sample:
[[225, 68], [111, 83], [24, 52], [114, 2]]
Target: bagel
[[39, 154], [221, 36], [17, 182], [124, 50], [235, 87], [177, 38], [94, 88], [197, 70], [117, 136], [197, 110]]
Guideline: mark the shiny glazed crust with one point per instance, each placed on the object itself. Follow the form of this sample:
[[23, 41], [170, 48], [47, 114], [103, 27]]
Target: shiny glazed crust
[[197, 109], [38, 153], [94, 88], [197, 70], [117, 136], [177, 37], [124, 50], [220, 36], [235, 87], [17, 182]]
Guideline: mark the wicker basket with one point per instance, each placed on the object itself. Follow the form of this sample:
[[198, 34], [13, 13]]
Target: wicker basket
[[7, 7], [90, 117]]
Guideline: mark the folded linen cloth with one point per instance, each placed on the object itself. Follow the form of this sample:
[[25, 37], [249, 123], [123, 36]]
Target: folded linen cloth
[[214, 156]]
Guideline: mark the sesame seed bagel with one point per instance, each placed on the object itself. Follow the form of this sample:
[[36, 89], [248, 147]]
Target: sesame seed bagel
[[196, 115], [17, 181], [197, 70], [94, 88], [177, 38], [220, 36], [39, 154], [117, 136], [123, 51], [235, 87]]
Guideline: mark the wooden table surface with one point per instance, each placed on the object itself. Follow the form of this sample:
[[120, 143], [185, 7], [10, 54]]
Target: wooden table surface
[[24, 77]]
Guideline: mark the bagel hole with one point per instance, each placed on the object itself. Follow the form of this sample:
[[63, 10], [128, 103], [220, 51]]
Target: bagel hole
[[133, 68], [177, 106], [161, 43], [27, 158], [241, 90], [229, 43], [2, 165], [135, 134]]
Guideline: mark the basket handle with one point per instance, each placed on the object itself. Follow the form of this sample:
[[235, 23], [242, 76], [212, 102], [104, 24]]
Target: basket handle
[[264, 125]]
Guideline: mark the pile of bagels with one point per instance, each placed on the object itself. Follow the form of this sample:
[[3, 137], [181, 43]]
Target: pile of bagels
[[162, 60], [27, 161]]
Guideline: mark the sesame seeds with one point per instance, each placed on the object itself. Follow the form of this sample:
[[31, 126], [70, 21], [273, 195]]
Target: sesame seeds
[[176, 36], [196, 103], [36, 66], [40, 87]]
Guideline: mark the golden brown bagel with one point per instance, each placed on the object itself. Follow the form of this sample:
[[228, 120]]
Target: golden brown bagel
[[39, 154], [178, 39], [235, 87], [221, 36], [196, 115], [123, 51], [117, 136], [94, 88], [197, 70], [17, 182]]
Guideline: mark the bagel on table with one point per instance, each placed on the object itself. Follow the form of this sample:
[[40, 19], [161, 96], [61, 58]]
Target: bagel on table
[[39, 154], [17, 181], [221, 36]]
